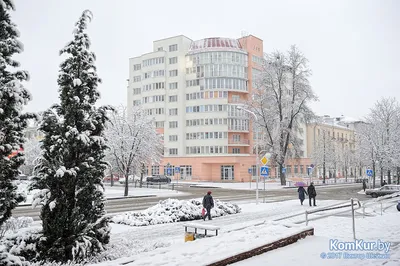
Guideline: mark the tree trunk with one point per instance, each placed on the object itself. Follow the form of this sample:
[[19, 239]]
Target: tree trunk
[[282, 175], [398, 175], [381, 175], [345, 174], [126, 183], [323, 172], [112, 177], [389, 177], [373, 172], [141, 177]]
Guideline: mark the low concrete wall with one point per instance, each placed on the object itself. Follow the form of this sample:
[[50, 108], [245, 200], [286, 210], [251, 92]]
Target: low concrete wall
[[265, 248]]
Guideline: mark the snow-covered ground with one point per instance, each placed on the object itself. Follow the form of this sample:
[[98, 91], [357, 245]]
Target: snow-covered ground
[[132, 243], [309, 250], [164, 244], [112, 192]]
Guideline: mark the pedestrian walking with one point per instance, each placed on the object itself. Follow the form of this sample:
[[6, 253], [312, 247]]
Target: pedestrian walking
[[312, 193], [364, 185], [301, 192], [208, 204]]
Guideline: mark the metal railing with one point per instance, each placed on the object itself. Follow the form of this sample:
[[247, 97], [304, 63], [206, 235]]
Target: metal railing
[[337, 206], [381, 200], [240, 141]]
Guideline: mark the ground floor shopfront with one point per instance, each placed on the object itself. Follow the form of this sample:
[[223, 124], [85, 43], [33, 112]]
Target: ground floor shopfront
[[223, 168]]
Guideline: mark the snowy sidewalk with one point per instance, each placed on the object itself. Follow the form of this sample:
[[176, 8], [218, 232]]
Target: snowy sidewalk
[[308, 251]]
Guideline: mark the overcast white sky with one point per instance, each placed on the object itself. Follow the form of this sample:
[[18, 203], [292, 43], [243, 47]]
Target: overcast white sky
[[353, 46]]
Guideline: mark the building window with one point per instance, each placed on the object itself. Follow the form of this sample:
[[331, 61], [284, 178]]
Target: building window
[[153, 61], [137, 67], [173, 151], [235, 98], [155, 170], [159, 124], [186, 171], [173, 60], [173, 73], [227, 172], [160, 49], [301, 169], [296, 169], [173, 85], [136, 91], [173, 111], [288, 169], [136, 78], [173, 98], [173, 124], [173, 48], [236, 150], [173, 137], [137, 102]]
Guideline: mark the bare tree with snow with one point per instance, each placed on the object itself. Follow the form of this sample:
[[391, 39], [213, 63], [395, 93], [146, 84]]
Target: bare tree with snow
[[281, 102], [323, 153], [133, 141], [32, 153]]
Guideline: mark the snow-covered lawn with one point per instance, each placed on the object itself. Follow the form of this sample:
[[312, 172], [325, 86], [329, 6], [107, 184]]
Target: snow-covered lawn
[[116, 191], [129, 243], [308, 251]]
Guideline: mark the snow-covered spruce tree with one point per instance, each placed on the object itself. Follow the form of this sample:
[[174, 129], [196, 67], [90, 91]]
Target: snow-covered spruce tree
[[13, 96], [71, 169]]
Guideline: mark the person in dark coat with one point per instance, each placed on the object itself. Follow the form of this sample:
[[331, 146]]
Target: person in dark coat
[[301, 192], [384, 183], [364, 185], [208, 204], [311, 193]]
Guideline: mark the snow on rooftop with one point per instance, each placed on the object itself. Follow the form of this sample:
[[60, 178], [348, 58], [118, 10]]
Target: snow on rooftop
[[215, 42]]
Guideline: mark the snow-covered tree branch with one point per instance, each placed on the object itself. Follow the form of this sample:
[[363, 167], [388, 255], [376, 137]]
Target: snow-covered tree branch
[[281, 100], [133, 141], [13, 97]]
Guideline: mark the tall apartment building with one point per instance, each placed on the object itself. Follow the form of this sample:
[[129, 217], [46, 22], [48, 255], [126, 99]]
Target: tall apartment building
[[192, 89]]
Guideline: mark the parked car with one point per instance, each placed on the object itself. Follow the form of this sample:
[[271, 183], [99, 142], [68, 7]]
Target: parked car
[[158, 179], [22, 177], [108, 178], [131, 179], [385, 190]]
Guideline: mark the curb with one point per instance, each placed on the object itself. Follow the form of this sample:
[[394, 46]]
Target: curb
[[265, 248], [326, 185]]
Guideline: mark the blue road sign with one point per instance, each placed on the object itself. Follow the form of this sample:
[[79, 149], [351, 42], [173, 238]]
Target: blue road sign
[[264, 171], [284, 170], [250, 170], [369, 172], [177, 170], [309, 170], [169, 171]]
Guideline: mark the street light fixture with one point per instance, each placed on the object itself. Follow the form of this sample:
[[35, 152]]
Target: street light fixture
[[257, 147]]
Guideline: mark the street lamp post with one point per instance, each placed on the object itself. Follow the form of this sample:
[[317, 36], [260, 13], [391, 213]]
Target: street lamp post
[[257, 147]]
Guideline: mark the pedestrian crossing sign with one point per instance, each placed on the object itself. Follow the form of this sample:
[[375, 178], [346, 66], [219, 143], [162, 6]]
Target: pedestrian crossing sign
[[264, 171]]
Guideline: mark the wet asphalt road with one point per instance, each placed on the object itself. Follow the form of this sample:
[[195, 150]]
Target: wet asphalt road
[[330, 192]]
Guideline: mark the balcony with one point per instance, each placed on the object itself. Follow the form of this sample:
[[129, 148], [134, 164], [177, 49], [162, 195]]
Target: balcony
[[238, 142], [238, 129]]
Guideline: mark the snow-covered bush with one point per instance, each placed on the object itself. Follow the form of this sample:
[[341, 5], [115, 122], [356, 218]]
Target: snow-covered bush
[[14, 224], [173, 210], [19, 248]]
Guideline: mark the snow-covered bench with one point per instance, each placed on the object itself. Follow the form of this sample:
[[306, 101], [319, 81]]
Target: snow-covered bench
[[204, 227]]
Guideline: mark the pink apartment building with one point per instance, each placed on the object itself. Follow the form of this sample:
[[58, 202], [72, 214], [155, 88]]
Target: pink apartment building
[[192, 89]]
